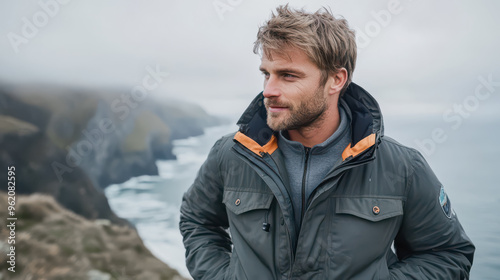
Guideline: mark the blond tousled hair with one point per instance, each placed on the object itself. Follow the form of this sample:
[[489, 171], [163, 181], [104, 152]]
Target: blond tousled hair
[[327, 41]]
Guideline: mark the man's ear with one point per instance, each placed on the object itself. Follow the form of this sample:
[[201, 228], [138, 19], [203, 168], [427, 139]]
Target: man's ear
[[337, 81]]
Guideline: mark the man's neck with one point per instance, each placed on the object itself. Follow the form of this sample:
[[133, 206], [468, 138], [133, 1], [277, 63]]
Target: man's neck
[[318, 131]]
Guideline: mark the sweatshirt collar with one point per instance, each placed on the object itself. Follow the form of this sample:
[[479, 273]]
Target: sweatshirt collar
[[345, 122]]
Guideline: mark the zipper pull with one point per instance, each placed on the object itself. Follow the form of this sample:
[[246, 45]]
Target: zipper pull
[[266, 226]]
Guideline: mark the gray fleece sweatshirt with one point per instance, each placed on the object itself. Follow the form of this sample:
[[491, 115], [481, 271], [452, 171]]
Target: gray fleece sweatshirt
[[307, 167]]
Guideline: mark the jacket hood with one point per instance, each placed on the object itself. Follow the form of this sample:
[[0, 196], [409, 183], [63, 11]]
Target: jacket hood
[[366, 124]]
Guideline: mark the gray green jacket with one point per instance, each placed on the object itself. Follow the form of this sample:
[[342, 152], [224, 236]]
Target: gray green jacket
[[382, 194]]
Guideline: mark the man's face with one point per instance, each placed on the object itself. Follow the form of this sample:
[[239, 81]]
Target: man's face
[[293, 95]]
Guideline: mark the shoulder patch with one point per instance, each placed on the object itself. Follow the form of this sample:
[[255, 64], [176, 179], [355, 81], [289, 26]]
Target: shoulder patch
[[445, 203]]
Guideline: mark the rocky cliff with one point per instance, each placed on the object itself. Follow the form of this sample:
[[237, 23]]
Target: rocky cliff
[[53, 243]]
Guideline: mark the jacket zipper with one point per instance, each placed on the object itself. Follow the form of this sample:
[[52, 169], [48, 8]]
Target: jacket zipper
[[303, 208], [266, 226], [292, 257]]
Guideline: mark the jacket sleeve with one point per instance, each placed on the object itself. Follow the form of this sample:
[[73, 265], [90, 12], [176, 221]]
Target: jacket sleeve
[[431, 243], [203, 222]]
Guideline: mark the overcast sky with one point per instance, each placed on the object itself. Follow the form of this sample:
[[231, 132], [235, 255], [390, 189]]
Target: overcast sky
[[425, 57]]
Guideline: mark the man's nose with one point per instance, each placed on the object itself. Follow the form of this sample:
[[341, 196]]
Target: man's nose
[[271, 87]]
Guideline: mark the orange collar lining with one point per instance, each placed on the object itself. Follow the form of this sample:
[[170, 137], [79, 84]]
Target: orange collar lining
[[360, 147], [253, 146]]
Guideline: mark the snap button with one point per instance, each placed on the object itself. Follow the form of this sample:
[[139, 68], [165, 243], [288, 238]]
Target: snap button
[[376, 210], [237, 202]]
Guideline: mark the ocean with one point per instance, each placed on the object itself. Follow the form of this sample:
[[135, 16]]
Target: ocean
[[463, 158]]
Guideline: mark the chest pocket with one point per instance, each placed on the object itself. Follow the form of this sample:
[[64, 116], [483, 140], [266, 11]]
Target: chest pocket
[[240, 202], [362, 231], [370, 208]]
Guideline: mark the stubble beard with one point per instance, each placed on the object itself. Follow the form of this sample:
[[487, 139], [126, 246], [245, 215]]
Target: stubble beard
[[306, 114]]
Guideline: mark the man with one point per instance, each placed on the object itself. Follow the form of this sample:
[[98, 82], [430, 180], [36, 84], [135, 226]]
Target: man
[[309, 187]]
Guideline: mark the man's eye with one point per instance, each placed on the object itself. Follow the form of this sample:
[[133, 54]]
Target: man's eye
[[266, 75], [289, 76]]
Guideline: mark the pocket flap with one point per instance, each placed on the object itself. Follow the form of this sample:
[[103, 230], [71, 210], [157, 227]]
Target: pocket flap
[[241, 201], [370, 208]]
